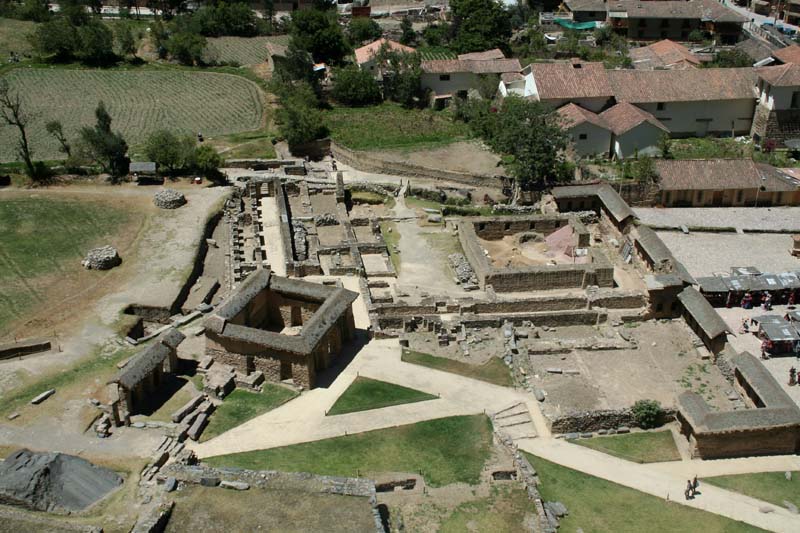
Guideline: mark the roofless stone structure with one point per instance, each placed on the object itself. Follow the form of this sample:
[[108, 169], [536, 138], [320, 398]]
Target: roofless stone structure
[[285, 328]]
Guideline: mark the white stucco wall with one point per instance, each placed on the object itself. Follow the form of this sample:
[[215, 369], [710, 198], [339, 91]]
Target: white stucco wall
[[643, 139], [462, 81], [695, 118], [597, 141], [777, 97]]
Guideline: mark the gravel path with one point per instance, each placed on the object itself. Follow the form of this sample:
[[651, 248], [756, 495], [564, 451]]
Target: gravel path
[[746, 218]]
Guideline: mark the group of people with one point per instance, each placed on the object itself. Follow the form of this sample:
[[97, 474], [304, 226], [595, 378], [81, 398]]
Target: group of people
[[691, 488], [748, 301], [792, 377]]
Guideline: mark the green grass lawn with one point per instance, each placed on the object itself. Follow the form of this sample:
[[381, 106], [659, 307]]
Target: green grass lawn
[[371, 198], [771, 487], [241, 405], [503, 511], [43, 236], [597, 505], [445, 450], [365, 394], [709, 148], [422, 203], [494, 371], [389, 126], [391, 238], [652, 447], [13, 37], [247, 145]]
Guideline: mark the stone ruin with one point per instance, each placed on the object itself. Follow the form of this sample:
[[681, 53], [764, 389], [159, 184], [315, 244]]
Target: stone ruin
[[169, 199], [53, 482], [103, 258]]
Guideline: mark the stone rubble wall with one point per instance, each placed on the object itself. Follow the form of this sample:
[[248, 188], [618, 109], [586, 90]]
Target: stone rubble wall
[[605, 419]]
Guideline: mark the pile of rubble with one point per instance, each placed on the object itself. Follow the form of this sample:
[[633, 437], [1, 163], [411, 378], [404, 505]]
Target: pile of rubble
[[299, 236], [103, 258], [169, 199], [464, 273], [325, 219], [193, 417]]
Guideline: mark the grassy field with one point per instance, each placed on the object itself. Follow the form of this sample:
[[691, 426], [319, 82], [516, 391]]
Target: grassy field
[[365, 394], [241, 405], [244, 51], [503, 511], [771, 487], [389, 126], [372, 198], [40, 235], [215, 510], [597, 505], [12, 37], [391, 238], [445, 450], [709, 148], [139, 101], [246, 145], [494, 371], [652, 447]]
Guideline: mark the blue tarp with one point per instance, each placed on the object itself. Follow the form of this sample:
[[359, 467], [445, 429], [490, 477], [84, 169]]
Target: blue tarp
[[576, 25]]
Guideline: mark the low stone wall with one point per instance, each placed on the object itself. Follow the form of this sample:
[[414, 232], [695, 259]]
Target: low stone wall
[[370, 162], [606, 419], [617, 299], [528, 305], [24, 347], [587, 317]]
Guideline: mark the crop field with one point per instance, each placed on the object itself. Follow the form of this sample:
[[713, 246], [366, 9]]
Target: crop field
[[42, 241], [139, 102], [12, 37], [243, 51]]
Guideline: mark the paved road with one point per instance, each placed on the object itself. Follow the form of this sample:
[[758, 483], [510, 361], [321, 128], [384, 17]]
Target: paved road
[[759, 19]]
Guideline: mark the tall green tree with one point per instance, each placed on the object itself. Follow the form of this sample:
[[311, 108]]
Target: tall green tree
[[407, 34], [318, 33], [125, 39], [363, 29], [479, 25], [299, 121], [186, 47], [169, 151], [355, 87], [103, 146], [96, 43]]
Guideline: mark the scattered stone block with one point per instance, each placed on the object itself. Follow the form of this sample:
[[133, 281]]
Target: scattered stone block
[[557, 508], [539, 394], [181, 413], [43, 396], [170, 484], [235, 485], [198, 426], [555, 371], [766, 509], [587, 435], [13, 416], [623, 429], [209, 481], [102, 258], [789, 505], [138, 425], [572, 372], [571, 436]]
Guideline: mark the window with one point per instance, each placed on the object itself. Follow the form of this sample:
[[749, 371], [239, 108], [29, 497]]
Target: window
[[444, 77], [739, 196], [582, 136], [507, 226], [795, 100], [660, 106], [668, 198]]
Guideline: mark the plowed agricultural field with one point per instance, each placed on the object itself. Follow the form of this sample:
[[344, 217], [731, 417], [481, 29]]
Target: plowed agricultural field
[[245, 51], [140, 102]]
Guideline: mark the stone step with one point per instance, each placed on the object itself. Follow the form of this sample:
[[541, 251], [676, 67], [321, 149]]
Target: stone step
[[510, 407]]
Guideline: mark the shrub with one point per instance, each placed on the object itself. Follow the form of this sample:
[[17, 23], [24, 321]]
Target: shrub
[[647, 413], [363, 29], [355, 87], [186, 47]]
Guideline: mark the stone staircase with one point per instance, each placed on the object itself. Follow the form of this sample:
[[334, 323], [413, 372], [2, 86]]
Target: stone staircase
[[515, 421]]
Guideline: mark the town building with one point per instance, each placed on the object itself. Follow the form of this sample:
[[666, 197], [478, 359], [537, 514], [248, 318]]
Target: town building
[[777, 116], [366, 56], [449, 78], [635, 131], [723, 183], [589, 134], [664, 54]]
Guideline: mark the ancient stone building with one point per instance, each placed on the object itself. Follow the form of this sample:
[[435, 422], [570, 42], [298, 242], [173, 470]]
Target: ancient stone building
[[144, 375], [285, 328], [703, 319], [770, 426]]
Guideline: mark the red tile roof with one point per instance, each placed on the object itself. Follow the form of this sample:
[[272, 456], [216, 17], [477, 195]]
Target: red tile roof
[[790, 54], [787, 75], [494, 53], [663, 54], [624, 117], [571, 80], [453, 66], [643, 86], [367, 52], [571, 115], [718, 174]]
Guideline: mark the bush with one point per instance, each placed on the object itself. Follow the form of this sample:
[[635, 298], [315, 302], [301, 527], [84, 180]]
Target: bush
[[186, 47], [363, 29], [355, 87], [647, 413], [222, 19]]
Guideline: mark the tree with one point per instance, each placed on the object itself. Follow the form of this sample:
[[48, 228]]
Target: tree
[[695, 36], [56, 40], [355, 87], [207, 162], [731, 59], [407, 36], [55, 129], [643, 170], [318, 33], [96, 43], [647, 413], [479, 25], [665, 146], [103, 146], [299, 121], [126, 42], [169, 151], [13, 114], [436, 35], [363, 29], [33, 10], [401, 77], [186, 47]]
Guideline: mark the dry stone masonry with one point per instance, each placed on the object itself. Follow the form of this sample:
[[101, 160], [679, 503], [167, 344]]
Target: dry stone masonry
[[103, 258], [169, 199]]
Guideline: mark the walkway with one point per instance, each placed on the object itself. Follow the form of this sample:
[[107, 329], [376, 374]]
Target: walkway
[[663, 482], [272, 235]]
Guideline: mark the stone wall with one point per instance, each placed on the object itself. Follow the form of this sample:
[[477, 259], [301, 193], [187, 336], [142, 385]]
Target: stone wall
[[372, 162], [493, 228], [536, 304], [589, 421], [772, 441]]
